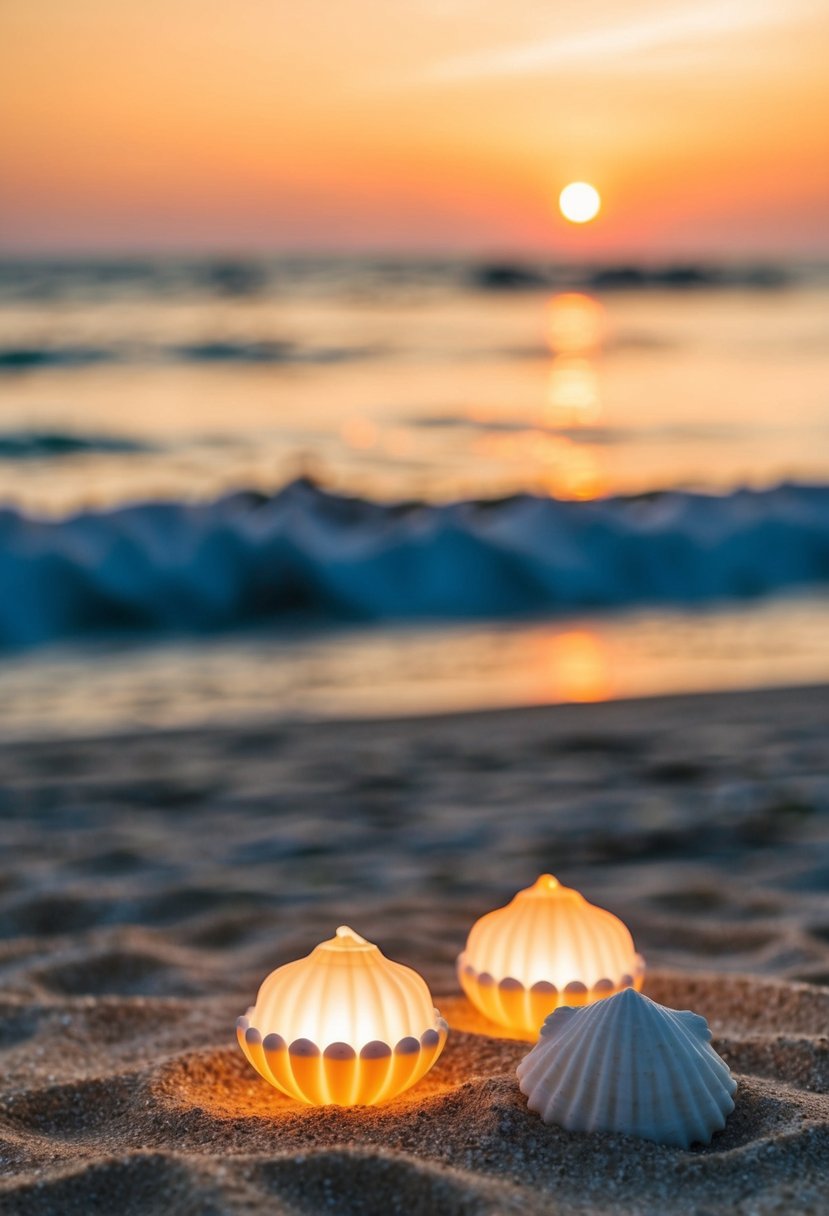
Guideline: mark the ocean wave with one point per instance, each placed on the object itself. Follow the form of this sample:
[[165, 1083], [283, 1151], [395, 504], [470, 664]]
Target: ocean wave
[[524, 276], [158, 278], [307, 555], [18, 359], [219, 351], [35, 358], [50, 445]]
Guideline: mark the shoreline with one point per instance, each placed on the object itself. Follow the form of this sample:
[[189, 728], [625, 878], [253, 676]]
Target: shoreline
[[818, 688]]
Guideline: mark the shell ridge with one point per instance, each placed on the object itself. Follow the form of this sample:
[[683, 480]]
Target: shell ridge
[[611, 934], [583, 1023], [578, 928], [353, 1011], [627, 1064], [379, 996], [491, 942], [694, 1023], [470, 950], [261, 1014], [708, 1058], [531, 1085], [701, 1106], [600, 953], [399, 1000], [716, 1071], [526, 918], [716, 1096], [710, 1116], [673, 1105], [421, 1009], [611, 941], [572, 1026], [320, 993], [598, 928], [680, 1055], [626, 1096], [556, 1022], [408, 1003], [708, 1103], [501, 943], [590, 947], [284, 998], [533, 1069], [603, 1065], [586, 1019], [696, 1032], [298, 994], [689, 1117], [655, 1047], [547, 1063], [498, 955], [557, 1079]]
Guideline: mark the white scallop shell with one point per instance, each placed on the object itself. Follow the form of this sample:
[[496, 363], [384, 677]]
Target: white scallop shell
[[629, 1065]]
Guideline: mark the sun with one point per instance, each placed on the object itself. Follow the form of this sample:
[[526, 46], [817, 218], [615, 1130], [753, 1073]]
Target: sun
[[579, 202]]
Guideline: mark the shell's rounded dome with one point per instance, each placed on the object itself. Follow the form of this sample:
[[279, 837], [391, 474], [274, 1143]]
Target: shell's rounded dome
[[632, 1066], [547, 947], [345, 1009]]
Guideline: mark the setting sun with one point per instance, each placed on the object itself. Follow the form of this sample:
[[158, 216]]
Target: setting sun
[[579, 202]]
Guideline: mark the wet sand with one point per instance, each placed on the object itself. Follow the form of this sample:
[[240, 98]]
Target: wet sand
[[148, 882]]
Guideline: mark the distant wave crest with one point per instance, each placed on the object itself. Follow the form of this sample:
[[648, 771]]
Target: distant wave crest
[[16, 360], [307, 555], [263, 277], [47, 445]]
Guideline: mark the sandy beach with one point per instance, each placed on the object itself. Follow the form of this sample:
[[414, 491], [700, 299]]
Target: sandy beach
[[413, 448], [149, 882]]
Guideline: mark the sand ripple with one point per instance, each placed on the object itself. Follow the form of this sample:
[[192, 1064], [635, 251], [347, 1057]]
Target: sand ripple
[[162, 1113], [147, 883]]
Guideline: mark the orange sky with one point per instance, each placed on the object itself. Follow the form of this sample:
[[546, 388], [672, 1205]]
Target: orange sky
[[432, 125]]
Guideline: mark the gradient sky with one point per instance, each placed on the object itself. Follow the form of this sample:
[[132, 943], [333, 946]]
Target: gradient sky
[[414, 125]]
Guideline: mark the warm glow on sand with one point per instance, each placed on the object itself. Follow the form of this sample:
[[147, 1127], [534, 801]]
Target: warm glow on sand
[[579, 202]]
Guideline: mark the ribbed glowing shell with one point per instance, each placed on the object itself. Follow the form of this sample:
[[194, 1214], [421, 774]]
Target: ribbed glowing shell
[[344, 1025], [548, 947], [629, 1065]]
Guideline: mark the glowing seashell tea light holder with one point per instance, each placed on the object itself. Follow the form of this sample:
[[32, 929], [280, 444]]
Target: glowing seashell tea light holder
[[632, 1066], [548, 947], [343, 1026]]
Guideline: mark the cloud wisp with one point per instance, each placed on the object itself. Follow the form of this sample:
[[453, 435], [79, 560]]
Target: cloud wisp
[[681, 28]]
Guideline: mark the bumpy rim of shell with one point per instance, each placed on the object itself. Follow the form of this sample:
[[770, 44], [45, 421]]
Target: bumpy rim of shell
[[293, 1068], [512, 1003]]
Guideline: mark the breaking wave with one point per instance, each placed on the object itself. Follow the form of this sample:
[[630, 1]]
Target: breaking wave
[[308, 555]]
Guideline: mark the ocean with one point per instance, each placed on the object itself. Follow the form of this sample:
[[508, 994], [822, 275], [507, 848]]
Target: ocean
[[356, 486]]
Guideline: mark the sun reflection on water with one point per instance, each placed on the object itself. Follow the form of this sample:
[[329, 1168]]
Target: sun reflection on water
[[575, 666], [573, 394], [541, 443], [575, 323], [575, 331]]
